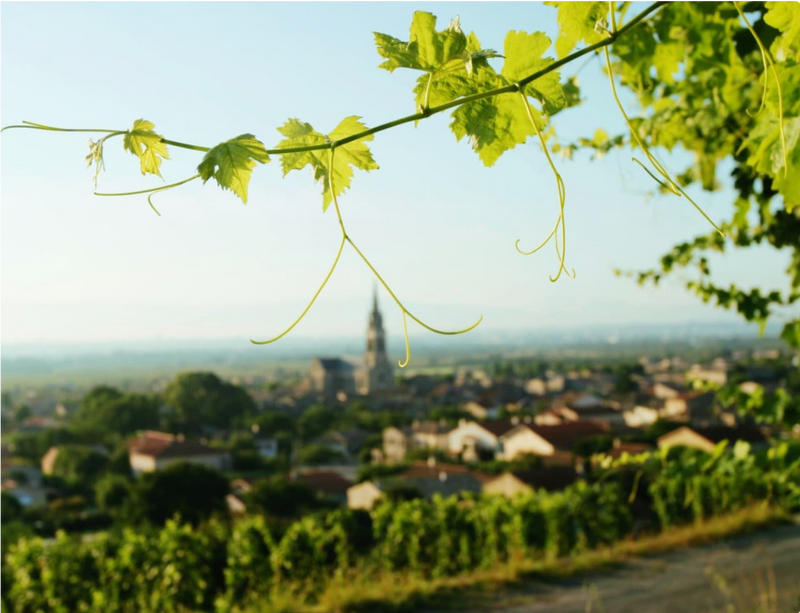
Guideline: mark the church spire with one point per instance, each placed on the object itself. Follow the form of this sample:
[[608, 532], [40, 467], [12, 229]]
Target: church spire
[[378, 371]]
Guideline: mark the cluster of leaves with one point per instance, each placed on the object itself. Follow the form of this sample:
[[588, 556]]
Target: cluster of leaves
[[219, 567], [698, 487], [713, 116]]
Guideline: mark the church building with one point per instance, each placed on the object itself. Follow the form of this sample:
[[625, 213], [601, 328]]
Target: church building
[[335, 377]]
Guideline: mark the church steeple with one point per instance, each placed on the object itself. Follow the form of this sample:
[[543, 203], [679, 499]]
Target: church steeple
[[376, 363]]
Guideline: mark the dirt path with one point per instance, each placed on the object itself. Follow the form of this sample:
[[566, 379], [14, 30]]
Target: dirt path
[[677, 582]]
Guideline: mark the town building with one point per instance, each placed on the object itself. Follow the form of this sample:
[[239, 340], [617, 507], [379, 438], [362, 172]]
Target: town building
[[510, 484], [706, 438], [554, 442], [336, 378], [397, 442], [152, 451], [429, 478]]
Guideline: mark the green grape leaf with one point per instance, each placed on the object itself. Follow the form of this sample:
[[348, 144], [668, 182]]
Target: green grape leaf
[[145, 144], [577, 21], [456, 79], [785, 17], [355, 154], [449, 59], [791, 333], [494, 125], [231, 163], [667, 60], [766, 156], [523, 53], [426, 48], [764, 141]]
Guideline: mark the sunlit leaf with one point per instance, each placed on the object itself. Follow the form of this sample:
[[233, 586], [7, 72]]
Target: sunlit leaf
[[231, 163], [145, 144], [352, 155]]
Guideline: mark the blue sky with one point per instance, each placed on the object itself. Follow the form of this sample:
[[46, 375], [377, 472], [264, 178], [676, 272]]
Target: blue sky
[[438, 225]]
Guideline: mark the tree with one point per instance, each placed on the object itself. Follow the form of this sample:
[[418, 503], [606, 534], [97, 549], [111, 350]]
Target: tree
[[319, 454], [106, 409], [272, 422], [193, 491], [79, 464], [21, 413], [316, 420], [112, 492], [96, 399], [279, 497], [11, 509], [202, 399]]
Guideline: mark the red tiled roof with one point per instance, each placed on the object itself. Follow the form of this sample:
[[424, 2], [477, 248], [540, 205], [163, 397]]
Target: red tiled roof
[[498, 428], [164, 445], [325, 481], [423, 470], [567, 434]]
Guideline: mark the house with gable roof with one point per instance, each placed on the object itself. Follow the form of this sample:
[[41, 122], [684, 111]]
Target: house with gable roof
[[152, 451]]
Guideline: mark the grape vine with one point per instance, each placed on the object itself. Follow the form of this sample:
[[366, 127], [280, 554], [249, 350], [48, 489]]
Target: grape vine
[[456, 74]]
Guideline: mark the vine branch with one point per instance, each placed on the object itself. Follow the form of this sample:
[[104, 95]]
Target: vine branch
[[425, 113]]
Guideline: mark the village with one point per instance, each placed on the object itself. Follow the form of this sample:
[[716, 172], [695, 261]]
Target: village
[[349, 434]]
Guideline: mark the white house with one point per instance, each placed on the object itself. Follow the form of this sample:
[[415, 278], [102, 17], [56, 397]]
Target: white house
[[547, 441], [156, 450], [471, 436]]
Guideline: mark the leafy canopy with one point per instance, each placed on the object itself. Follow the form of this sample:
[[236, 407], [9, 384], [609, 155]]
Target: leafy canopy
[[784, 17], [499, 123], [577, 21], [448, 57], [231, 163]]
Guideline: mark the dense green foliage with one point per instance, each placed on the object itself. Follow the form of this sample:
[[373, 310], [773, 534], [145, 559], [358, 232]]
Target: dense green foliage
[[217, 566], [281, 498], [79, 463], [705, 87], [106, 409], [10, 509], [192, 491], [198, 399]]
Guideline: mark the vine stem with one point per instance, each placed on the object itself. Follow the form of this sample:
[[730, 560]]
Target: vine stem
[[668, 181], [507, 89], [408, 347], [308, 307], [769, 64], [29, 125], [150, 191], [346, 238], [562, 196], [373, 269], [613, 16]]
